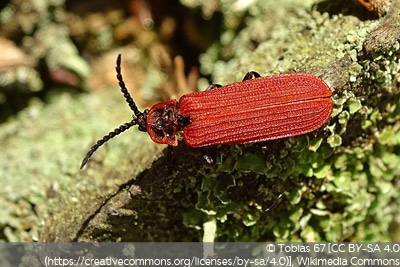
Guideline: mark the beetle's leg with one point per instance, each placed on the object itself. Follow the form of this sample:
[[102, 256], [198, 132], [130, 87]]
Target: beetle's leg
[[285, 193], [209, 154], [213, 86], [251, 75]]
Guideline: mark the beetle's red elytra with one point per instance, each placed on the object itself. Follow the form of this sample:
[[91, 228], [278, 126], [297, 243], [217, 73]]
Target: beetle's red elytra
[[254, 110]]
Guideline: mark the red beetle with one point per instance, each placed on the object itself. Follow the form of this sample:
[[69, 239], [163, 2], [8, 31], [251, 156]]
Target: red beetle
[[254, 110]]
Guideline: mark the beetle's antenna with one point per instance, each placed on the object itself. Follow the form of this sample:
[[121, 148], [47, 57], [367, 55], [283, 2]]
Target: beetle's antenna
[[110, 135], [139, 118], [124, 90]]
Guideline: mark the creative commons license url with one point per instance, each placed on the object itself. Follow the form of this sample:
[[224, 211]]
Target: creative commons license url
[[273, 254]]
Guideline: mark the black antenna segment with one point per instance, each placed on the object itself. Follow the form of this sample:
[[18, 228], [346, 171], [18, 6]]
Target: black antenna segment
[[99, 143], [124, 90]]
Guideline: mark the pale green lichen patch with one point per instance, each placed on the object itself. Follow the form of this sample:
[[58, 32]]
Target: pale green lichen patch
[[40, 163]]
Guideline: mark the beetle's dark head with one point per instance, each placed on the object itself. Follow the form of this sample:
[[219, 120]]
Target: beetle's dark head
[[164, 123]]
